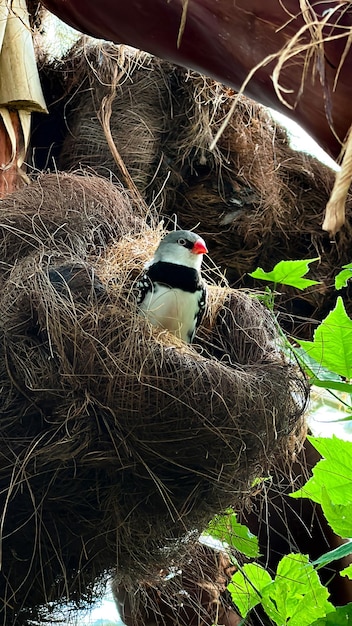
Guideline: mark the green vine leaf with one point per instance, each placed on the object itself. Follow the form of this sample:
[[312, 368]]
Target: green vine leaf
[[340, 617], [333, 472], [334, 555], [315, 369], [227, 529], [339, 516], [347, 572], [296, 596], [342, 278], [332, 342], [288, 273], [246, 586], [331, 483]]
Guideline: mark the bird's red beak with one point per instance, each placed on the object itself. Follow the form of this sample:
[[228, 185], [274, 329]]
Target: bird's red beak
[[199, 247]]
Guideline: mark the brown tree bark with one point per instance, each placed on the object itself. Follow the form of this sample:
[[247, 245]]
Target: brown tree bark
[[227, 39]]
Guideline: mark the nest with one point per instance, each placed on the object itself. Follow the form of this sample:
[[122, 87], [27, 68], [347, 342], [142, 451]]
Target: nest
[[194, 595], [111, 95], [161, 119], [119, 442], [254, 199]]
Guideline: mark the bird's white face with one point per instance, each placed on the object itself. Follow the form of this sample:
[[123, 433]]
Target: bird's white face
[[181, 249]]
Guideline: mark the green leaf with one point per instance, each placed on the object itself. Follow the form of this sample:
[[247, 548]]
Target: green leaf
[[334, 555], [315, 368], [296, 596], [342, 278], [333, 472], [338, 516], [331, 384], [288, 273], [246, 586], [331, 483], [320, 376], [332, 344], [227, 529], [347, 572], [340, 617]]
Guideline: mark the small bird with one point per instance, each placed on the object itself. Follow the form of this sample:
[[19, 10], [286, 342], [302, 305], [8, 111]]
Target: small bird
[[172, 293]]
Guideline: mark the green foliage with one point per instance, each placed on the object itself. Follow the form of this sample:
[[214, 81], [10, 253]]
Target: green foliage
[[288, 273], [227, 529], [340, 617], [295, 596], [319, 375], [331, 483], [327, 359], [297, 593], [333, 472], [339, 516], [347, 572], [334, 555], [332, 344], [267, 298], [342, 278], [246, 587]]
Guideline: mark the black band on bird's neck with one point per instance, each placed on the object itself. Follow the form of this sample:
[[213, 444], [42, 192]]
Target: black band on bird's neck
[[175, 276]]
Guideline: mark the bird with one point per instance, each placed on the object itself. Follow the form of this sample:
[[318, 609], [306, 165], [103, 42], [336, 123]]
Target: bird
[[171, 292]]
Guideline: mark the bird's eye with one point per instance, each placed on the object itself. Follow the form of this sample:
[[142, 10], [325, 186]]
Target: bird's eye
[[182, 241]]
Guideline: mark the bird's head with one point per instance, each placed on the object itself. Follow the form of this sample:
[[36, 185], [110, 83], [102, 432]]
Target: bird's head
[[182, 247]]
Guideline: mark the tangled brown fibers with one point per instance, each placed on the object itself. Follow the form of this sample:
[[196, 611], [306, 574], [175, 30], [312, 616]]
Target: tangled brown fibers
[[118, 442], [254, 199]]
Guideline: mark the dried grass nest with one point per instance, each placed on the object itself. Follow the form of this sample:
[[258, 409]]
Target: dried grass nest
[[255, 199], [119, 443]]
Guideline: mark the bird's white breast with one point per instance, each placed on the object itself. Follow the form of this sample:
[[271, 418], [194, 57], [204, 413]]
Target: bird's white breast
[[173, 309]]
